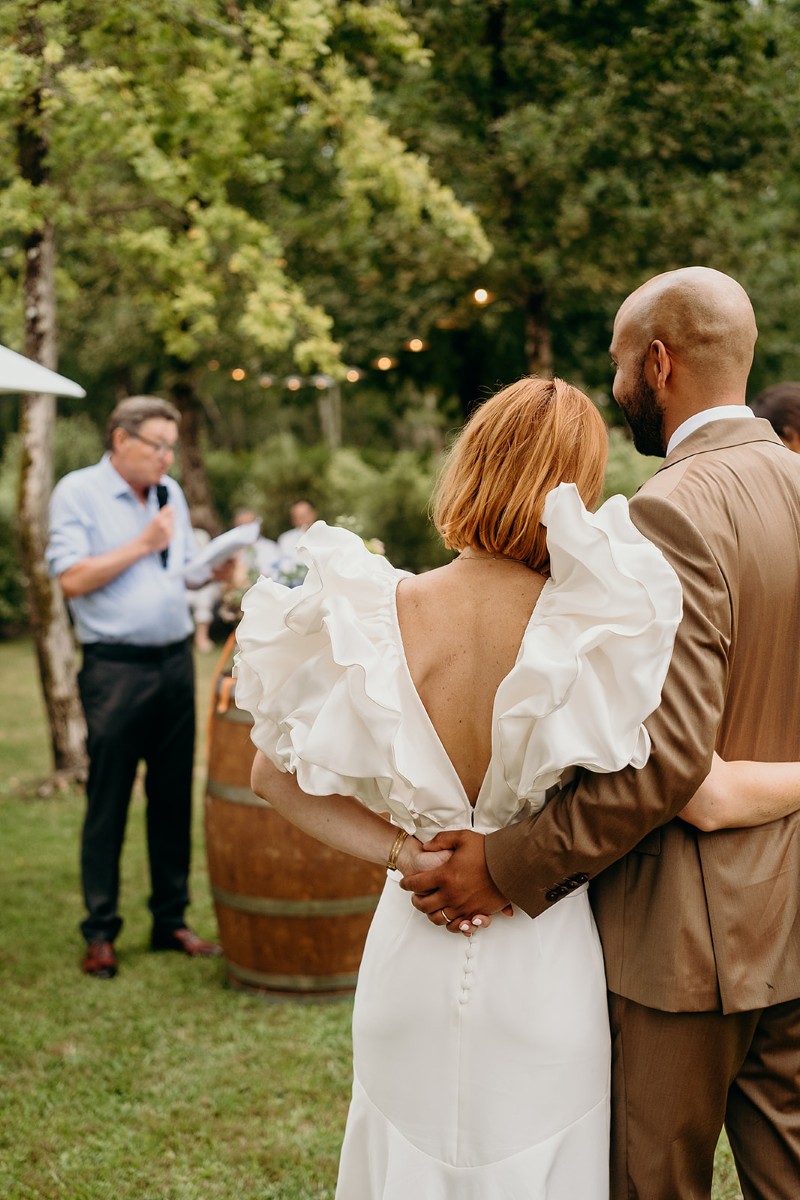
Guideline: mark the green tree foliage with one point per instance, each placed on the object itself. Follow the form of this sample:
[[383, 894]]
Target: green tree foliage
[[200, 154], [602, 142]]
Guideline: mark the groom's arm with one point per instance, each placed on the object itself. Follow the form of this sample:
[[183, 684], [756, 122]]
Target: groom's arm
[[599, 818]]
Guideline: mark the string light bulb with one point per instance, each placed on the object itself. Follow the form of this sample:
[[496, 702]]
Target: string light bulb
[[238, 373]]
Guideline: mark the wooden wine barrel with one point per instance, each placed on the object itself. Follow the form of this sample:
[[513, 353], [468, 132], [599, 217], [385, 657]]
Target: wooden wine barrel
[[293, 914]]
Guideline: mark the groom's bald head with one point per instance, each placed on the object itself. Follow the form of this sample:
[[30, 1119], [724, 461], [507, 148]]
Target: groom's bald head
[[683, 342], [704, 318]]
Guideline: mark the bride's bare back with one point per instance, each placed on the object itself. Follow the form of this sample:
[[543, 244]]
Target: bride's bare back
[[462, 626]]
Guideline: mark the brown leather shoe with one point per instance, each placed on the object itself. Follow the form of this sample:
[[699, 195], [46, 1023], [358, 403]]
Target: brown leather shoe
[[100, 960], [185, 941]]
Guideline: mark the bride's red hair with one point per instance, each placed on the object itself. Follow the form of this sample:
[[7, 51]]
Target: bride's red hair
[[518, 446]]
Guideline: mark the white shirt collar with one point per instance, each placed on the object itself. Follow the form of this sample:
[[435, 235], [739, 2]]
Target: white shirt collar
[[725, 412]]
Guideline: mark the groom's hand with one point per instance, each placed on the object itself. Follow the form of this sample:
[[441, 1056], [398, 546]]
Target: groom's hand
[[462, 885]]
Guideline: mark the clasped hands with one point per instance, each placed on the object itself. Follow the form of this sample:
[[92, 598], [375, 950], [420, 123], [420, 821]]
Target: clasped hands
[[457, 890]]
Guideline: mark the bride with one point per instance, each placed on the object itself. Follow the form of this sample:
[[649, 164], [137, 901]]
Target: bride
[[455, 700]]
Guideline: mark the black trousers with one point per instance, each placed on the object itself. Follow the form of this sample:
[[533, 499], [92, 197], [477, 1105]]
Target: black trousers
[[139, 704]]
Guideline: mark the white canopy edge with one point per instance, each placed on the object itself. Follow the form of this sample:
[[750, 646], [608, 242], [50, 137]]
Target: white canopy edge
[[21, 374]]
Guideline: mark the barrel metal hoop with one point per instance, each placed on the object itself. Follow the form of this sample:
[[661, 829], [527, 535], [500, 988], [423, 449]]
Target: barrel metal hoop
[[268, 906], [234, 794], [292, 983]]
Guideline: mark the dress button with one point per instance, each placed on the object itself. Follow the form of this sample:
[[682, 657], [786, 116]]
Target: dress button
[[551, 894]]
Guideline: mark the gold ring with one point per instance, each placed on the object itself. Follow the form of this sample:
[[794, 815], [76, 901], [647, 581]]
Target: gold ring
[[449, 920]]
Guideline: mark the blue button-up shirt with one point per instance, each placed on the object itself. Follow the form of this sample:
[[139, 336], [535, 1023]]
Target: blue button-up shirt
[[94, 510]]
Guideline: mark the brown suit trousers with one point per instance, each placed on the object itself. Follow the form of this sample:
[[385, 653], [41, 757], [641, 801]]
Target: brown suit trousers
[[695, 923]]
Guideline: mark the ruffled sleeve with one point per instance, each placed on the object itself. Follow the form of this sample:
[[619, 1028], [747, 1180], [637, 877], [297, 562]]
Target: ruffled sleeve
[[317, 669], [596, 652], [321, 670]]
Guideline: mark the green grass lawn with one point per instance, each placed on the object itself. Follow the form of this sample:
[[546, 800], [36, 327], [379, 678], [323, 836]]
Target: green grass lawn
[[162, 1084]]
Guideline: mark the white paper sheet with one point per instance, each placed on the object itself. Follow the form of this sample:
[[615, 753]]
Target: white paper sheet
[[219, 550]]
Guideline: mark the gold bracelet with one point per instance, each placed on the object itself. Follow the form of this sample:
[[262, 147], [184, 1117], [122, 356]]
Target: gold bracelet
[[394, 853]]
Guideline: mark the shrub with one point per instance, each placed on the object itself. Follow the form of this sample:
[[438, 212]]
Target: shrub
[[627, 469], [282, 471], [398, 514], [13, 613]]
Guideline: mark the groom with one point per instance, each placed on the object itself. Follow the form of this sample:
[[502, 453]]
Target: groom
[[700, 931]]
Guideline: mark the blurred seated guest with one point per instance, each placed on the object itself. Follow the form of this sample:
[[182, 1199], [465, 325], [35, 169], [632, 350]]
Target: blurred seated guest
[[203, 601], [780, 405], [262, 557], [251, 562], [120, 540], [303, 515]]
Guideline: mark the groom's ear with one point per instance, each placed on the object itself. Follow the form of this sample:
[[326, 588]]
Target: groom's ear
[[660, 363]]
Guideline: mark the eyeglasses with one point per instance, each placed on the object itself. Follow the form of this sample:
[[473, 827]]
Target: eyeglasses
[[162, 448]]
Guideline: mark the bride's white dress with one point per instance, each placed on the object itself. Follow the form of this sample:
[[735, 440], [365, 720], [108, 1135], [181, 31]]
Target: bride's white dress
[[481, 1066]]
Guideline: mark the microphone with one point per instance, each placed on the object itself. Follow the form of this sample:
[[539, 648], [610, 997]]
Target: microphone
[[161, 496]]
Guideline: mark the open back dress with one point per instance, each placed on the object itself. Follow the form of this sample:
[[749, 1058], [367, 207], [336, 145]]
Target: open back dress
[[481, 1065]]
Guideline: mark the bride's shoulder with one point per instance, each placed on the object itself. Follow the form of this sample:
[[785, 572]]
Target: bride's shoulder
[[603, 549]]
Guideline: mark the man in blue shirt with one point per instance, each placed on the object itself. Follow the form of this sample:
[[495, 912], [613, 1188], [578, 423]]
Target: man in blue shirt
[[120, 539]]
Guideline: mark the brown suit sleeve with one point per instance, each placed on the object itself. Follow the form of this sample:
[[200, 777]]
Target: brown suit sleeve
[[599, 818]]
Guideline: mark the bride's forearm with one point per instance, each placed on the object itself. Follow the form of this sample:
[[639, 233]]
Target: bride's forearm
[[341, 822], [742, 794]]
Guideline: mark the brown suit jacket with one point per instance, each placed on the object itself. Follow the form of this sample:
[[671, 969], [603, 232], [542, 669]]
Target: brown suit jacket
[[695, 921]]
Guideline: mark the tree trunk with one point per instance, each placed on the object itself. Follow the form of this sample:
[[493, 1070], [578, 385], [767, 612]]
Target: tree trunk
[[329, 407], [55, 647], [193, 472], [538, 343]]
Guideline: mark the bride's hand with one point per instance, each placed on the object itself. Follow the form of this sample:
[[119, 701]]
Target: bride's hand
[[482, 921], [413, 857]]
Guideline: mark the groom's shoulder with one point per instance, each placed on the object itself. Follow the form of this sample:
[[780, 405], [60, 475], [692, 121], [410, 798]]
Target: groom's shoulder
[[717, 497], [685, 501], [679, 485], [696, 472]]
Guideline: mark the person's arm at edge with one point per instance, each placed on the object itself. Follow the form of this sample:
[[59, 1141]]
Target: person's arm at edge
[[742, 794]]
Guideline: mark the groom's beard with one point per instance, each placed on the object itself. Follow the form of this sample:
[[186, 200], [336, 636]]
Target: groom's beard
[[645, 417]]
